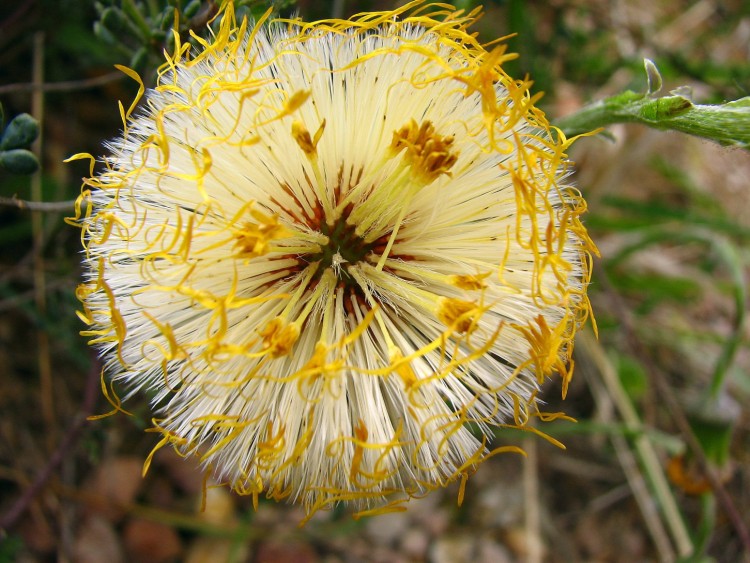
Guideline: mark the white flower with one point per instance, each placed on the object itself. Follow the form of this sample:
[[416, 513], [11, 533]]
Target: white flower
[[339, 255]]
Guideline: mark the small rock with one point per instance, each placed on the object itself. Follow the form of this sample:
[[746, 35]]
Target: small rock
[[117, 482], [380, 554], [96, 541], [419, 507], [500, 505], [220, 510], [437, 522], [220, 507], [278, 552], [185, 472], [414, 543], [523, 544], [292, 515], [37, 533], [151, 542], [490, 550], [210, 550], [317, 517], [386, 528], [355, 548], [452, 549]]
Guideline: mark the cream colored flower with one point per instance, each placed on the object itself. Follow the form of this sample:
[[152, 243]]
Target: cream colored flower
[[338, 255]]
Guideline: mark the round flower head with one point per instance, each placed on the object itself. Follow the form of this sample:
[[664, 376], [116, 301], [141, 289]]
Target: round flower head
[[337, 255]]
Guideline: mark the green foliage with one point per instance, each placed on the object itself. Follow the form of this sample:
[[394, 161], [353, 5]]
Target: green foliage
[[656, 223], [659, 289], [714, 433], [142, 30], [19, 161], [15, 157], [10, 548], [20, 132], [632, 376]]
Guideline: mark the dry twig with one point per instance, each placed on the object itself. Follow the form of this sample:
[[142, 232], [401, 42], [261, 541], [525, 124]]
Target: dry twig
[[45, 206], [11, 517], [64, 86]]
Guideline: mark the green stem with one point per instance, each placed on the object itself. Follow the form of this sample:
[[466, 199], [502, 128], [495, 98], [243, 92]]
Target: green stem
[[727, 124]]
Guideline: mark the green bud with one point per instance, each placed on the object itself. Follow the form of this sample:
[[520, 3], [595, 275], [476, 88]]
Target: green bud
[[19, 161], [20, 132]]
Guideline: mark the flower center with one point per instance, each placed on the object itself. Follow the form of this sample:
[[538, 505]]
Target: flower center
[[344, 247], [351, 228]]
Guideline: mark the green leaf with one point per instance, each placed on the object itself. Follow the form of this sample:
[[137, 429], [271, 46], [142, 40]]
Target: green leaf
[[11, 548], [715, 438], [632, 376], [20, 132], [136, 17], [119, 25], [139, 58], [19, 161], [192, 8], [104, 34], [653, 76]]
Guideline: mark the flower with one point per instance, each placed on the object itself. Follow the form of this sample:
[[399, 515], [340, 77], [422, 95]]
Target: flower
[[336, 255]]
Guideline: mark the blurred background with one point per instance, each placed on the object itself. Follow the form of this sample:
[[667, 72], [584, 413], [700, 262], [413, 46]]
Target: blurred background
[[663, 394]]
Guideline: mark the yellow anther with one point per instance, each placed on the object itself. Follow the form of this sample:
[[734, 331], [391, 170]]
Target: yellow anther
[[457, 313], [279, 337], [427, 152], [317, 361], [470, 282], [317, 365], [402, 368], [254, 236], [360, 443], [294, 102], [273, 445], [307, 143], [546, 346]]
